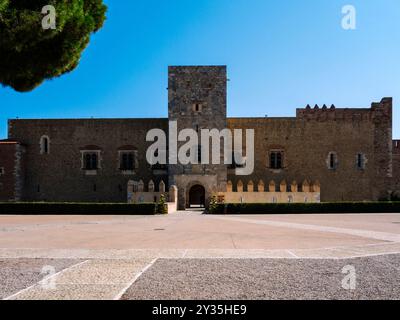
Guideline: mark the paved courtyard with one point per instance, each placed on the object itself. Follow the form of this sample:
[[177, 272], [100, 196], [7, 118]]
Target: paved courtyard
[[187, 255]]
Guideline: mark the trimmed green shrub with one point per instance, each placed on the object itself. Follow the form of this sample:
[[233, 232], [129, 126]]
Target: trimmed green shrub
[[30, 54], [395, 196], [213, 208], [45, 208], [162, 206], [293, 208]]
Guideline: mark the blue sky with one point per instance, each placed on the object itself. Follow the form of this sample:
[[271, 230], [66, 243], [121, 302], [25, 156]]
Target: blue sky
[[281, 55]]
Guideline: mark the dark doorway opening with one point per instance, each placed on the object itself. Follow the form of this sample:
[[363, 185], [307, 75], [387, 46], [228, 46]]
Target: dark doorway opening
[[197, 197]]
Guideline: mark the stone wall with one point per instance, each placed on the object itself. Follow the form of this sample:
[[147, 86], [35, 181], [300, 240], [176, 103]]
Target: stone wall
[[307, 140], [58, 176], [137, 195], [12, 171], [396, 167], [270, 197]]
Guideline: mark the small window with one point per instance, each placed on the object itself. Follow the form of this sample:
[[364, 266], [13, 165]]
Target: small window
[[90, 161], [44, 145], [127, 161], [276, 160], [332, 161], [197, 107], [360, 161], [2, 171]]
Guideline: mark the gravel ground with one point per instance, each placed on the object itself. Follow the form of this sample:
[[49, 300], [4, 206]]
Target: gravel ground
[[18, 274], [267, 279]]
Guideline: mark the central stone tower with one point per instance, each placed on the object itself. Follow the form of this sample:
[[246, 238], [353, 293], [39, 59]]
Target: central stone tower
[[197, 100]]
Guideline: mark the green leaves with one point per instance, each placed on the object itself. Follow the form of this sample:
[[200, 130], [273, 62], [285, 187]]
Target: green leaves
[[30, 54]]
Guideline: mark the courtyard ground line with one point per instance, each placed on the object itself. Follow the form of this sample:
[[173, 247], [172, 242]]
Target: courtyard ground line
[[45, 279], [384, 236], [292, 254], [137, 276]]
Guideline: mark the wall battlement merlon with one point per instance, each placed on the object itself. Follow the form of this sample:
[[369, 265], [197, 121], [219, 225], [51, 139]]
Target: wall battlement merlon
[[383, 108]]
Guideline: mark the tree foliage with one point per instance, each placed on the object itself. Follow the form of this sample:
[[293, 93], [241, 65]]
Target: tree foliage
[[30, 54]]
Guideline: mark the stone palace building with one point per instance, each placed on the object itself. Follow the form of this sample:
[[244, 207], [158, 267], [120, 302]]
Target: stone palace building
[[323, 154]]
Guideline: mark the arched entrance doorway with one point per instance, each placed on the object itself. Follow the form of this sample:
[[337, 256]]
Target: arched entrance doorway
[[197, 197]]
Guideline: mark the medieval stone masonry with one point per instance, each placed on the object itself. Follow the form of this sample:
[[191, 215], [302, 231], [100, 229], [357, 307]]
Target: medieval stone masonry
[[325, 153]]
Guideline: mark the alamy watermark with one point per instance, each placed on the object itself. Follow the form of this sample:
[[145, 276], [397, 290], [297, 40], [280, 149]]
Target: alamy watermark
[[349, 20], [196, 149], [349, 282], [49, 20], [49, 282]]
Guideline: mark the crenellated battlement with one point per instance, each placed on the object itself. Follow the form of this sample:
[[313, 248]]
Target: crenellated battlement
[[324, 113]]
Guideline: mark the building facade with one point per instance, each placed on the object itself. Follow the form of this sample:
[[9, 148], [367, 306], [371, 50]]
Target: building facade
[[342, 154]]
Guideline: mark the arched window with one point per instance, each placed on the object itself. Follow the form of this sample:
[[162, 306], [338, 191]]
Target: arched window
[[332, 161], [360, 161], [44, 145]]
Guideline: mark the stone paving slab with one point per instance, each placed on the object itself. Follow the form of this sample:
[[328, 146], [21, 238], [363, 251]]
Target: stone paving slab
[[73, 292], [103, 272], [18, 274], [267, 279], [149, 254], [94, 279]]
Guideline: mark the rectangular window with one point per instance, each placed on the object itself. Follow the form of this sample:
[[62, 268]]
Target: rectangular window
[[276, 160], [90, 161], [198, 107], [127, 161]]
